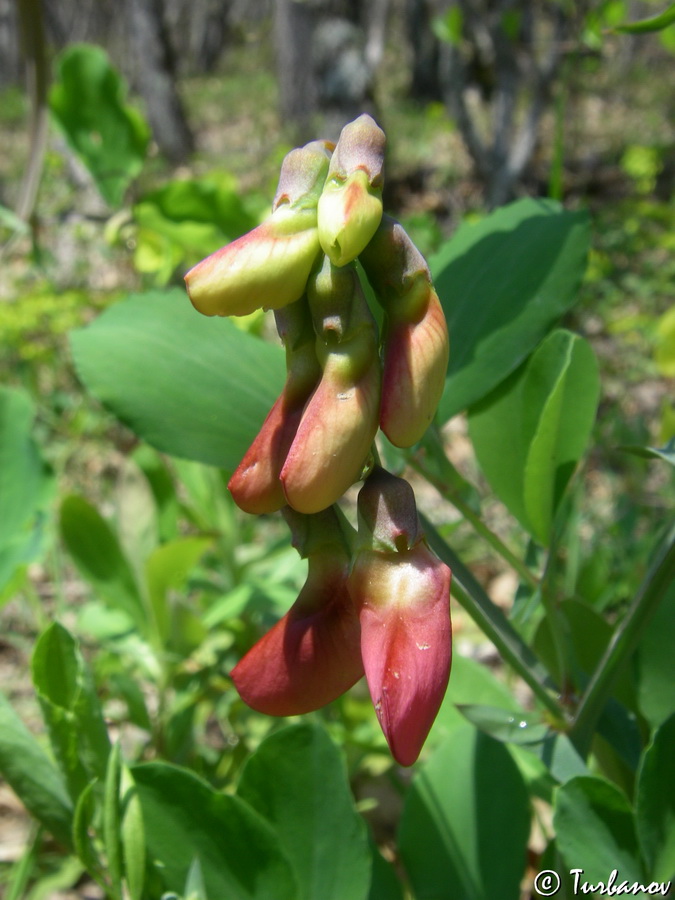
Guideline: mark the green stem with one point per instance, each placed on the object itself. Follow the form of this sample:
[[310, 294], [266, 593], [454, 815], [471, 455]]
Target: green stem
[[494, 624], [660, 577], [445, 487]]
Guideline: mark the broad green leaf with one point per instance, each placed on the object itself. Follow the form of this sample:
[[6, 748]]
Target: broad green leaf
[[466, 822], [193, 386], [97, 554], [530, 433], [25, 483], [656, 665], [88, 102], [32, 775], [595, 830], [70, 707], [238, 850], [504, 282], [168, 568], [298, 781], [655, 804]]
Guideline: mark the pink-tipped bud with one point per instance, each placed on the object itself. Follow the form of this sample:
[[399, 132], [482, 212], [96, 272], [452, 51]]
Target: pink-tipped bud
[[350, 207], [255, 484], [312, 655], [403, 598], [268, 267], [416, 345], [338, 426]]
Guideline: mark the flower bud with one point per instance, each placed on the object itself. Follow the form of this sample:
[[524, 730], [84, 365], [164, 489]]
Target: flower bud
[[312, 655], [339, 423], [350, 207], [255, 484], [402, 594], [268, 267], [416, 345]]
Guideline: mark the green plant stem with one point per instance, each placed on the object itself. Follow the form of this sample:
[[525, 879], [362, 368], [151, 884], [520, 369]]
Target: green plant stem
[[444, 487], [494, 624], [624, 642]]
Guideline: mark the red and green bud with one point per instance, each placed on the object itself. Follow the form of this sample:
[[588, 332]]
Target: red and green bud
[[403, 599], [334, 439], [350, 207], [255, 485], [416, 344], [312, 655], [268, 267]]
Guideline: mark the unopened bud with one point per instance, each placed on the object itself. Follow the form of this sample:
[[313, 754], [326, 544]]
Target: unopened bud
[[350, 207], [416, 345], [338, 426], [268, 267], [402, 592], [255, 485]]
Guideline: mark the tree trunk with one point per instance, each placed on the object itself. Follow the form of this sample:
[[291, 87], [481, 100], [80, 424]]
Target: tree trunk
[[154, 72]]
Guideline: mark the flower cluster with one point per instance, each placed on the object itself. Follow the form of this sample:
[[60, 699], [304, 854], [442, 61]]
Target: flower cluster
[[376, 601]]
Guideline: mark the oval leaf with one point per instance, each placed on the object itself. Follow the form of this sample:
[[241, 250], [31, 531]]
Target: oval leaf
[[194, 387], [297, 780], [237, 849], [466, 822], [503, 283], [595, 830], [531, 432], [655, 804]]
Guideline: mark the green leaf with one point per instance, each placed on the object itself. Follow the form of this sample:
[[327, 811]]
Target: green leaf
[[70, 708], [194, 387], [666, 453], [237, 849], [97, 554], [137, 520], [83, 831], [655, 804], [654, 657], [503, 283], [25, 484], [297, 780], [502, 725], [595, 830], [111, 820], [653, 23], [188, 219], [531, 432], [88, 102], [133, 836], [466, 822], [32, 775], [168, 568]]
